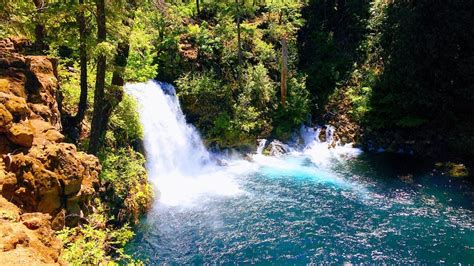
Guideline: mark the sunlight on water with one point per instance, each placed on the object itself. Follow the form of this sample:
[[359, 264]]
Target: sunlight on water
[[181, 167], [314, 204]]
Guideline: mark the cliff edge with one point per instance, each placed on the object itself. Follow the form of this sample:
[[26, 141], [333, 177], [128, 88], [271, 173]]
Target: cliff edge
[[41, 177]]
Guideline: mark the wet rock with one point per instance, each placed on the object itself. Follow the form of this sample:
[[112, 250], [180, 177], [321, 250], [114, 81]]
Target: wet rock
[[453, 169], [276, 148]]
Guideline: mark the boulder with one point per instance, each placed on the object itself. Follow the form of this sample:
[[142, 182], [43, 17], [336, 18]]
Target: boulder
[[15, 105], [21, 134], [5, 118], [47, 175], [12, 81], [4, 85], [26, 239], [38, 172], [45, 133], [276, 148]]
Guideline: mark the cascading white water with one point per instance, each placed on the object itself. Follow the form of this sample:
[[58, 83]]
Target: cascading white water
[[177, 161], [261, 146], [321, 153], [182, 168], [293, 203], [329, 134], [170, 143]]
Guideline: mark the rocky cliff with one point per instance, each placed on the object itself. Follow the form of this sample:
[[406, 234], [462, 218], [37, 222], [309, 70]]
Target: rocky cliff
[[38, 172]]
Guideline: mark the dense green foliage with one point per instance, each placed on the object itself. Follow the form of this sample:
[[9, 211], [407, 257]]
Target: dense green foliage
[[128, 194], [402, 71], [53, 27], [94, 243], [329, 44], [405, 68], [232, 97], [125, 125]]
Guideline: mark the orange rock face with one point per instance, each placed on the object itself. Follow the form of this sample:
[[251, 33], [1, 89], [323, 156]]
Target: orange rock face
[[26, 239], [48, 180]]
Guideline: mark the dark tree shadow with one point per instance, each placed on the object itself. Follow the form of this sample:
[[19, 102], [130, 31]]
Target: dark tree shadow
[[328, 45], [426, 91]]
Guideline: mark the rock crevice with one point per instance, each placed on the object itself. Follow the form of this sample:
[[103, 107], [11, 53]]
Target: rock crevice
[[38, 171]]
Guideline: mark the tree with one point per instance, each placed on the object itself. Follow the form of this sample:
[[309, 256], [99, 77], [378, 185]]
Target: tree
[[81, 21], [97, 117], [39, 27], [284, 70], [197, 7], [121, 58], [239, 45]]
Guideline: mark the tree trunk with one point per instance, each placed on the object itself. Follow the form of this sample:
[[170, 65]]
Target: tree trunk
[[239, 47], [197, 7], [118, 81], [116, 95], [39, 27], [81, 110], [96, 127], [284, 71]]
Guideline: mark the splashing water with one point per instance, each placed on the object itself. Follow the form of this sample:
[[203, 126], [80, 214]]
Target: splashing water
[[261, 146], [177, 161], [320, 152], [181, 167], [311, 205]]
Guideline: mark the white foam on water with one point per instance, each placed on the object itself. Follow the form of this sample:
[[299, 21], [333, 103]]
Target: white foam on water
[[177, 161], [321, 153], [183, 170]]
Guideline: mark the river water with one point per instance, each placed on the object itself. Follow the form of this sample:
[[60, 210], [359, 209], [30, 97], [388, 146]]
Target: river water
[[313, 204]]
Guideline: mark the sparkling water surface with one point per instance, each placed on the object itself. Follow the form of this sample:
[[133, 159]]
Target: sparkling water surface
[[364, 209], [312, 205]]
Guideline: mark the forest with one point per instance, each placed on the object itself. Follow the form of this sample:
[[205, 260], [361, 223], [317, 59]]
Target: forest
[[391, 76]]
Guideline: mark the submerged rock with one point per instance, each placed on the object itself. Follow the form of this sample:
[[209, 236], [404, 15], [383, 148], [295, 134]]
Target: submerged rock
[[453, 169]]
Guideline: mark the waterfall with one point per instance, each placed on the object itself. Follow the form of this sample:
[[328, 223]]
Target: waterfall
[[329, 134], [177, 160], [318, 132], [321, 153], [170, 143], [261, 146], [182, 169]]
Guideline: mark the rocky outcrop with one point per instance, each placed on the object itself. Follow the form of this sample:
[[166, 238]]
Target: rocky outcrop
[[26, 238], [338, 115], [276, 148], [38, 172]]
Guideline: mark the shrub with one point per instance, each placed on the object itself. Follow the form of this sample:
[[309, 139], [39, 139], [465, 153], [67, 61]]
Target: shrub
[[254, 103], [296, 111], [204, 98], [94, 243], [127, 190], [125, 124]]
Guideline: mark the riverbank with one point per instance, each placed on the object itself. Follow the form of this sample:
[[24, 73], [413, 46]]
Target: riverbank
[[57, 199]]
